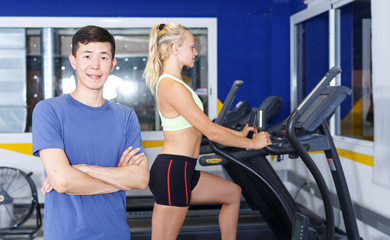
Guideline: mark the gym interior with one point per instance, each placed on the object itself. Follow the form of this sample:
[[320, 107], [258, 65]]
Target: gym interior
[[275, 48]]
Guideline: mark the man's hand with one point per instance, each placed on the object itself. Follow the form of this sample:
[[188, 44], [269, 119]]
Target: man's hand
[[130, 157], [131, 172], [46, 186]]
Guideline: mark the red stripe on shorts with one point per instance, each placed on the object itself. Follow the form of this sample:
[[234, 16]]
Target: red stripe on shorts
[[185, 181], [169, 189]]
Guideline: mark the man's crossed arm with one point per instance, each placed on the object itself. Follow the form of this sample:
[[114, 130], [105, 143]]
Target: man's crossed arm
[[132, 172]]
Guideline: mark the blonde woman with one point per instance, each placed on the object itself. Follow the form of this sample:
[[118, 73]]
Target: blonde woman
[[174, 181]]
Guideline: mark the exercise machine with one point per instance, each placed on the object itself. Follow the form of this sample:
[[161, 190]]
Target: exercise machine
[[304, 130]]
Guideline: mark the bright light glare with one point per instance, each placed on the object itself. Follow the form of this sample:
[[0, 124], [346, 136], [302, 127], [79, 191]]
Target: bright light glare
[[111, 86], [68, 85], [128, 88]]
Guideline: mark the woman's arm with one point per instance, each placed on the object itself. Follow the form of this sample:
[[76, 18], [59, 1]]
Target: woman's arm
[[243, 133], [174, 97]]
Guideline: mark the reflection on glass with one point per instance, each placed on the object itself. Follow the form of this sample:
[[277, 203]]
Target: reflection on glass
[[125, 85], [355, 53]]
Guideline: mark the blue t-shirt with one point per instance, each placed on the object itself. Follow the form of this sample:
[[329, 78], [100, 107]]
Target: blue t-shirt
[[93, 136]]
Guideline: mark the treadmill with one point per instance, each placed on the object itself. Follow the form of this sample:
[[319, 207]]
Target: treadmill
[[304, 130]]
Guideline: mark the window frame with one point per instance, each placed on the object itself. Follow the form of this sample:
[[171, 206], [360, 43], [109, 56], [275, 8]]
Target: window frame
[[127, 22], [314, 9]]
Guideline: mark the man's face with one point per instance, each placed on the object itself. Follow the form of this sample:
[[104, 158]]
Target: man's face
[[93, 63]]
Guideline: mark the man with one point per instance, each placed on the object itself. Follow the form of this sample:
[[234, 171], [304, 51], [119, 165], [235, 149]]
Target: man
[[91, 149]]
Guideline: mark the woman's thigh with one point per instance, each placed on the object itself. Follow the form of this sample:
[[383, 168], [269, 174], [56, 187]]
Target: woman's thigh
[[167, 221], [214, 189]]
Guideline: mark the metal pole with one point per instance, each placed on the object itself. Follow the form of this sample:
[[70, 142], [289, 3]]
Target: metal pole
[[48, 63]]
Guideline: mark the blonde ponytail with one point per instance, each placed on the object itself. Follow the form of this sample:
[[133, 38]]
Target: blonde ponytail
[[162, 37]]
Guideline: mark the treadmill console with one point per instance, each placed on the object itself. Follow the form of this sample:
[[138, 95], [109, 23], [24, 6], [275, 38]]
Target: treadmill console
[[322, 107]]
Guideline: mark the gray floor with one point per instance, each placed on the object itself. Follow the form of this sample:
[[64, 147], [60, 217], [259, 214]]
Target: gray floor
[[201, 223]]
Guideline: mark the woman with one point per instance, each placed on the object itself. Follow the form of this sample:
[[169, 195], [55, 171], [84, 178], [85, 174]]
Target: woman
[[174, 181]]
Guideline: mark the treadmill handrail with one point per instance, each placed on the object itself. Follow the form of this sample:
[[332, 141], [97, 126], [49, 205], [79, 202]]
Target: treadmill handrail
[[226, 155], [351, 227], [228, 101], [291, 136], [290, 131], [280, 150]]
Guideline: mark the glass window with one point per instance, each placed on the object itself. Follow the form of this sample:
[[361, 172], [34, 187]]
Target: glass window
[[356, 113], [48, 72], [12, 80], [311, 53]]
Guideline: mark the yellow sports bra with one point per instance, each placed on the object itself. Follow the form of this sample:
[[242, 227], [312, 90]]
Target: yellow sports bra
[[179, 122]]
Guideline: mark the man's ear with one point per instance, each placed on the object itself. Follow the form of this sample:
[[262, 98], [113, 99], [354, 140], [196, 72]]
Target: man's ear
[[113, 64], [72, 61]]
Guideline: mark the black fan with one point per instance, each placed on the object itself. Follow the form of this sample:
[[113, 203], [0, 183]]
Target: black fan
[[18, 200]]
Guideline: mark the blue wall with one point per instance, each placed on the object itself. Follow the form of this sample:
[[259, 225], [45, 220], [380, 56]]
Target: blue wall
[[253, 36]]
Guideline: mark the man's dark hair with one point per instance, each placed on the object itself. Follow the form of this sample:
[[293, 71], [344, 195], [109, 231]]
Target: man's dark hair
[[89, 34]]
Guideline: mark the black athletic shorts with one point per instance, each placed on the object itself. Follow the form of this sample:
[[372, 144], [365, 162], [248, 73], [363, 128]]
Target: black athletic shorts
[[172, 178]]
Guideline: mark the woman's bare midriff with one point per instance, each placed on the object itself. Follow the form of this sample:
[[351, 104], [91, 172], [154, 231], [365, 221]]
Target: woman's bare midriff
[[184, 142]]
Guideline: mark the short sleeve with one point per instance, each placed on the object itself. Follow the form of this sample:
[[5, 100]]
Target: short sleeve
[[46, 128], [133, 134]]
